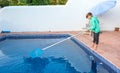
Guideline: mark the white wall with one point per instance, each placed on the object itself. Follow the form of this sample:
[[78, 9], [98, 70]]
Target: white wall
[[54, 18], [110, 19]]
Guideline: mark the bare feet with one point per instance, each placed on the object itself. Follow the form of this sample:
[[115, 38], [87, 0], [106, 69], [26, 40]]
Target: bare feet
[[92, 46], [95, 47]]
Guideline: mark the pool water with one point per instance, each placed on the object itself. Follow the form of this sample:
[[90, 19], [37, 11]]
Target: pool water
[[66, 57]]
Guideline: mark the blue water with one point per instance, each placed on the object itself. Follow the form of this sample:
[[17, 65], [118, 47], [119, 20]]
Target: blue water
[[66, 57]]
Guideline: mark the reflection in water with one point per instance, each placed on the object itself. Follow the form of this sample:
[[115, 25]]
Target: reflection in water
[[41, 65], [93, 67], [50, 65], [1, 53], [37, 64], [54, 65]]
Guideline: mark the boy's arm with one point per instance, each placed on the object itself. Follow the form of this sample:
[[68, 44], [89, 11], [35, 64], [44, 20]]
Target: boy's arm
[[93, 25]]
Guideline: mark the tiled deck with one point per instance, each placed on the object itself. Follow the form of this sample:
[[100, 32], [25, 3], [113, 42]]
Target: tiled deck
[[109, 46]]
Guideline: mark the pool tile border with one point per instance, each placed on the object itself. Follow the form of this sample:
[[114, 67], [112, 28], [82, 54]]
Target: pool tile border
[[32, 36]]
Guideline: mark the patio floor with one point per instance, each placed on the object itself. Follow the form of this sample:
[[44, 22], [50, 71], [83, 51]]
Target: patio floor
[[109, 46]]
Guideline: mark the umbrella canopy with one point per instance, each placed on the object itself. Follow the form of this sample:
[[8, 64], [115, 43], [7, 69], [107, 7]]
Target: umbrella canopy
[[103, 7]]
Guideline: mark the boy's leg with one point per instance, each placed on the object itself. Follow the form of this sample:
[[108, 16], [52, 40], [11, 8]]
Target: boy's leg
[[96, 46], [93, 44], [96, 40]]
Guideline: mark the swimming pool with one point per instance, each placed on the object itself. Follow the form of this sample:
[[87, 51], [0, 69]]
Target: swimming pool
[[70, 56]]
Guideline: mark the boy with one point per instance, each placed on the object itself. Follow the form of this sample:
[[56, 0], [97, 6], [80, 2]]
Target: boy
[[95, 28]]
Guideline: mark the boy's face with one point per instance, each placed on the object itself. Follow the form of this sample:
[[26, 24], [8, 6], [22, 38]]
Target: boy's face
[[89, 16]]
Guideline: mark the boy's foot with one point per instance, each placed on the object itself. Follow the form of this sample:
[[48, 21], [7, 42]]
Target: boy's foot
[[92, 46], [95, 47]]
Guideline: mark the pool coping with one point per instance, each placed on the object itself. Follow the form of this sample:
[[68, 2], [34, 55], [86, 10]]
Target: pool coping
[[32, 36], [80, 43]]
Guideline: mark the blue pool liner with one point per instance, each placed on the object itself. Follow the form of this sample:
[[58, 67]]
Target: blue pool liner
[[112, 68]]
